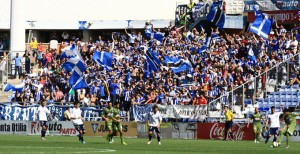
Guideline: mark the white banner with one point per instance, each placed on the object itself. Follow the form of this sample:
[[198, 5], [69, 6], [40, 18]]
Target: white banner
[[13, 127], [54, 128], [195, 113]]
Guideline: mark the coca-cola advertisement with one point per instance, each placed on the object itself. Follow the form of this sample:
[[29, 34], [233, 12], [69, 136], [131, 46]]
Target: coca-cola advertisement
[[215, 131]]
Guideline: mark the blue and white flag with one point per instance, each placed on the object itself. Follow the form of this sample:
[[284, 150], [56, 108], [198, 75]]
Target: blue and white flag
[[262, 25], [183, 67], [176, 64], [82, 24], [74, 64], [153, 56], [75, 77], [151, 65], [104, 59], [68, 52], [202, 49], [159, 36], [80, 84], [171, 60], [217, 17], [251, 54], [71, 52], [8, 87], [18, 87]]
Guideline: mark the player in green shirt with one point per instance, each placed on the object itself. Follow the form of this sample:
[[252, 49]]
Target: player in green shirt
[[116, 124], [256, 118], [288, 129], [107, 115]]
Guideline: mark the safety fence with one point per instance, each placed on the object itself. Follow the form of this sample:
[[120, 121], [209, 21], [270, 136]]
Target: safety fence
[[260, 86]]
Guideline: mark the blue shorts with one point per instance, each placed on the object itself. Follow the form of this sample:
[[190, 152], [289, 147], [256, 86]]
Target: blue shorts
[[228, 124], [79, 127], [273, 131], [43, 123], [152, 129]]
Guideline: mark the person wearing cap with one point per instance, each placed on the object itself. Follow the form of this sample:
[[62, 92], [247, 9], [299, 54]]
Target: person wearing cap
[[289, 127]]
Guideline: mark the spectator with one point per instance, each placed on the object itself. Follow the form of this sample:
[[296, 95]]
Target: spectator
[[27, 62], [40, 54], [65, 36], [18, 65], [33, 46], [67, 114]]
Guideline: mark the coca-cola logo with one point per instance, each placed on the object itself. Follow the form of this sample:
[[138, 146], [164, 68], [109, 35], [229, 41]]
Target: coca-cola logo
[[217, 131]]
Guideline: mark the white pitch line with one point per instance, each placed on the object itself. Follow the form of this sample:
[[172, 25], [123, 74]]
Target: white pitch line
[[93, 150]]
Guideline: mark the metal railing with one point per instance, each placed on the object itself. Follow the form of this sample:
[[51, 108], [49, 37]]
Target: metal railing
[[262, 84]]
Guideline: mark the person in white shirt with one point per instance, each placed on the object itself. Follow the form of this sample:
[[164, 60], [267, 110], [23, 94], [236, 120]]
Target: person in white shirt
[[132, 37], [43, 112], [154, 121], [77, 120], [273, 119]]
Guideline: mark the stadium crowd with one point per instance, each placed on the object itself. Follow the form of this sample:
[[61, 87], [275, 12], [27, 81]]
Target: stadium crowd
[[226, 64], [229, 60]]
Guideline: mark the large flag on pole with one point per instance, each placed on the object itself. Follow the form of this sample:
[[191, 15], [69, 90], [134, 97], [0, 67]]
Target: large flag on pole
[[262, 25], [104, 59], [217, 16]]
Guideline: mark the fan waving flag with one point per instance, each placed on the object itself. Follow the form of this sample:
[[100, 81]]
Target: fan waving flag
[[75, 77], [217, 17], [103, 59], [152, 63], [70, 52], [18, 87], [262, 25], [80, 84], [74, 64]]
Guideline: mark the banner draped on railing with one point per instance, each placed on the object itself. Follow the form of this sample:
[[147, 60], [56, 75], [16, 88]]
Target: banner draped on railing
[[15, 112], [193, 113]]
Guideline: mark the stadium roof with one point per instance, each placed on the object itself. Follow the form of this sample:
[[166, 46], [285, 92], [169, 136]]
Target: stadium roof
[[50, 14]]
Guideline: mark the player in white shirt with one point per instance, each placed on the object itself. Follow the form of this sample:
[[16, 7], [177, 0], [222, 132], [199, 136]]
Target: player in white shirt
[[43, 113], [154, 121], [77, 120], [274, 121]]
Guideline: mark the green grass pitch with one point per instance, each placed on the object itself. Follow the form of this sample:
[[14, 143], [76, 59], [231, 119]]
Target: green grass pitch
[[67, 144]]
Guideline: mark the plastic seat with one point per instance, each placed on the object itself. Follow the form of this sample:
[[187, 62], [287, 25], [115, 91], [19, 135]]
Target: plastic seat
[[289, 94], [266, 108], [295, 87], [284, 100], [277, 95], [289, 99], [282, 88], [295, 99], [277, 102], [295, 95], [267, 99], [248, 101], [261, 108], [283, 94], [260, 101]]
